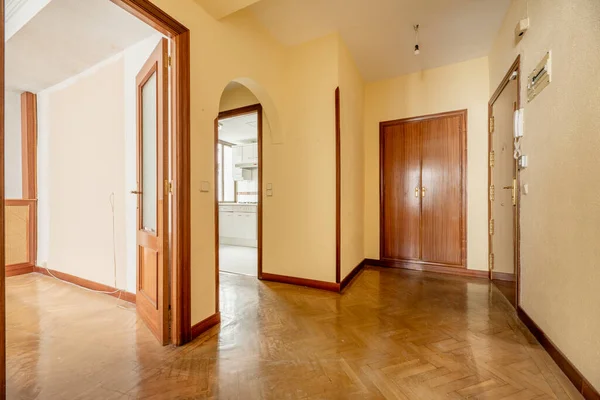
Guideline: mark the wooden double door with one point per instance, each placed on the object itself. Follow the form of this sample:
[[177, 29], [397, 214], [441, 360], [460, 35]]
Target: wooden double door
[[423, 197]]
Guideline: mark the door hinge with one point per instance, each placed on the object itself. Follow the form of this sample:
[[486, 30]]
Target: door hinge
[[170, 61], [492, 124], [168, 186], [492, 159], [491, 227], [491, 262], [492, 193]]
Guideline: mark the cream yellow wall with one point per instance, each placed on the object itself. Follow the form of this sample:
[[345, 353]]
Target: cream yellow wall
[[453, 87], [290, 84], [299, 219], [352, 92], [560, 217], [82, 134]]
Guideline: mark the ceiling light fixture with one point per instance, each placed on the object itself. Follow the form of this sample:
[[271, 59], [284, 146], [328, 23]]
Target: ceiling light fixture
[[417, 50]]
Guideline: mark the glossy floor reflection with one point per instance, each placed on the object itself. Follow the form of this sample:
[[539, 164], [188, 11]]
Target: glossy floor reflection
[[392, 334]]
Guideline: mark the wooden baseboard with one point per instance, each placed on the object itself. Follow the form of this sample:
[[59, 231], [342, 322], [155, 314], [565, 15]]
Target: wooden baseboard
[[123, 295], [18, 269], [504, 276], [582, 384], [457, 271], [329, 286], [348, 279], [204, 325]]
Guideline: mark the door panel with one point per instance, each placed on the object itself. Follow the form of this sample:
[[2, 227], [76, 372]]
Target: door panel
[[152, 297], [502, 176], [442, 188], [401, 178]]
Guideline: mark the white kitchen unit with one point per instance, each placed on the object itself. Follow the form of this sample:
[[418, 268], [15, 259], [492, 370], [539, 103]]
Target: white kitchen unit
[[242, 174], [245, 156], [238, 225]]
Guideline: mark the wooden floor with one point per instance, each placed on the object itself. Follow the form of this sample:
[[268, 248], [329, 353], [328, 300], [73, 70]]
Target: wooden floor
[[393, 334]]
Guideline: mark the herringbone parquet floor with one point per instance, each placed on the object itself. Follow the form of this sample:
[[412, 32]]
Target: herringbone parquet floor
[[392, 335]]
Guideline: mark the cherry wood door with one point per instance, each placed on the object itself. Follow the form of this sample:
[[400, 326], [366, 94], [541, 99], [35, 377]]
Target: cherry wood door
[[152, 296], [442, 190], [400, 197]]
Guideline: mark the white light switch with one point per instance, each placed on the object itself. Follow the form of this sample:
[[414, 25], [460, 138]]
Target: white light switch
[[269, 193], [269, 186], [204, 186], [525, 188]]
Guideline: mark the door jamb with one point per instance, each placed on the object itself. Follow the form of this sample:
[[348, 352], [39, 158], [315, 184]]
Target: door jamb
[[515, 67], [255, 108], [180, 243]]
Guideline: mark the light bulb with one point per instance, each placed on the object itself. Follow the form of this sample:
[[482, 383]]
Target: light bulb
[[417, 51]]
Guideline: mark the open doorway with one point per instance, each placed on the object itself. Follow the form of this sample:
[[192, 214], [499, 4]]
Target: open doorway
[[239, 175], [504, 186], [105, 114]]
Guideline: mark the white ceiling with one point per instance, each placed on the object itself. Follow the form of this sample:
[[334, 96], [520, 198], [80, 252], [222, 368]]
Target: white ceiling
[[67, 37], [240, 129], [380, 35]]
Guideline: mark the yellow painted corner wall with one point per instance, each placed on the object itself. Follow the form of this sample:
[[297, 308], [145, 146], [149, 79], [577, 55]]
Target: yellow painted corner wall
[[352, 91], [290, 84], [560, 216], [453, 87], [299, 219]]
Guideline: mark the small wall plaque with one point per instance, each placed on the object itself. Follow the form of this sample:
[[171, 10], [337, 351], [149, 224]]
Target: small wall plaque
[[539, 78]]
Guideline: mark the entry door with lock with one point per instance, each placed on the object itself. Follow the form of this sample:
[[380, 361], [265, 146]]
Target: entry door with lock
[[423, 190], [152, 296], [503, 190]]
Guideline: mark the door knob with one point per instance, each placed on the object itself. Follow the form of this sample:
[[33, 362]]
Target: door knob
[[416, 192], [135, 192], [507, 187], [423, 190]]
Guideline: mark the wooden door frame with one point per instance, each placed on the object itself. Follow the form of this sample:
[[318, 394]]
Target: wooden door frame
[[180, 214], [255, 108], [515, 67], [423, 265], [2, 198]]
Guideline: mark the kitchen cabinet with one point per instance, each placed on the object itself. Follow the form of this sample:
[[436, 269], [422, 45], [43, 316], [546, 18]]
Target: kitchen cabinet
[[246, 154], [237, 155], [238, 225], [241, 174]]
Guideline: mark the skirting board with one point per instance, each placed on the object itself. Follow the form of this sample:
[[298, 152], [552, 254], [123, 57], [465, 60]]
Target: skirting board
[[353, 274], [123, 295], [582, 384], [329, 286], [503, 276], [429, 268], [204, 325], [18, 269]]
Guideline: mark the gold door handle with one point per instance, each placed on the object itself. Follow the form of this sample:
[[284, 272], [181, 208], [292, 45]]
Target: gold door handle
[[507, 187], [416, 192], [135, 192], [423, 190]]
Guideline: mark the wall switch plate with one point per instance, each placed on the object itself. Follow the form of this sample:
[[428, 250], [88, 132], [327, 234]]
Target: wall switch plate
[[205, 186], [269, 192], [269, 186], [525, 188]]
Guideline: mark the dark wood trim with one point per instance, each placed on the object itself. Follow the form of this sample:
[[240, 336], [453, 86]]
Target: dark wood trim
[[122, 294], [236, 112], [515, 67], [19, 269], [254, 108], [583, 385], [2, 194], [428, 267], [352, 275], [204, 325], [146, 11], [29, 144], [153, 16], [504, 276], [329, 286], [463, 142], [338, 188]]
